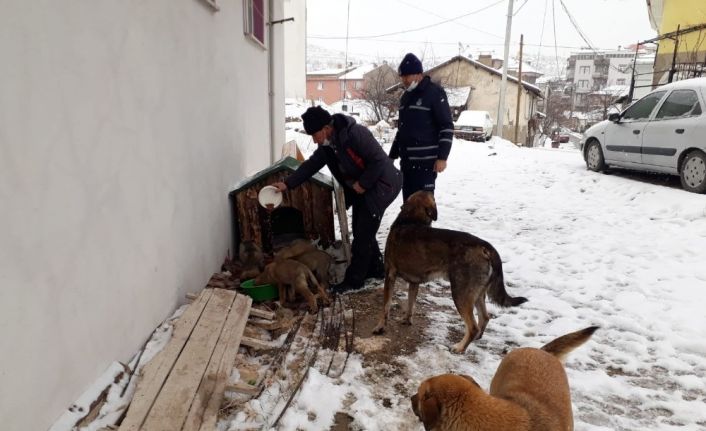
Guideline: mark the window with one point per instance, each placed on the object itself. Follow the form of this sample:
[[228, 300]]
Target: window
[[583, 83], [321, 100], [585, 70], [320, 85], [620, 81], [343, 85], [681, 103], [623, 68], [254, 16], [358, 85], [642, 109]]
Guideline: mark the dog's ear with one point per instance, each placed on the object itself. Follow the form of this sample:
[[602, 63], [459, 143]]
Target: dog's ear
[[430, 411]]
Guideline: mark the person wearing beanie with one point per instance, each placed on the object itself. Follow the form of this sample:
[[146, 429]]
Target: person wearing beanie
[[424, 130], [369, 180]]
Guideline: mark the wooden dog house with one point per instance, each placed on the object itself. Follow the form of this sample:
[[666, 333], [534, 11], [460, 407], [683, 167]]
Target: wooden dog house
[[305, 212]]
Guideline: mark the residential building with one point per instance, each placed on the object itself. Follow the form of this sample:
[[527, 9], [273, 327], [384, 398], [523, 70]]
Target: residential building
[[123, 126], [589, 71], [483, 90], [529, 73], [332, 85], [682, 22], [294, 49]]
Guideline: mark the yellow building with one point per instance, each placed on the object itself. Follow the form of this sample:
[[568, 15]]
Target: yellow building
[[680, 22]]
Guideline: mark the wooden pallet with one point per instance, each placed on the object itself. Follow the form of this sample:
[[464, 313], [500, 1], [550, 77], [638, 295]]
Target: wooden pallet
[[182, 387]]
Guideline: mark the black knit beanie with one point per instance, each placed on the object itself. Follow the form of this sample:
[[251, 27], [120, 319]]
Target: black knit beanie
[[315, 118]]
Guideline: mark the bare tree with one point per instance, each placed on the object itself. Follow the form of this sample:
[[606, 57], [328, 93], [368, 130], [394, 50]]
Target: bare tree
[[375, 94], [605, 98]]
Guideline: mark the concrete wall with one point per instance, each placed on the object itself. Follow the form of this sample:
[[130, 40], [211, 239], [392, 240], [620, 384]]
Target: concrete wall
[[485, 94], [122, 126], [295, 49]]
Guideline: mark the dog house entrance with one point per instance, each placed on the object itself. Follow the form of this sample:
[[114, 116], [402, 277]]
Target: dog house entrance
[[285, 225]]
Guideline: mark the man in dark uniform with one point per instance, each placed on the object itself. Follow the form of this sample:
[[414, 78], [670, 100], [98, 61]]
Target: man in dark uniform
[[425, 129], [370, 182]]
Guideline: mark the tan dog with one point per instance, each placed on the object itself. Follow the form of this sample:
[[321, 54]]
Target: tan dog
[[251, 259], [295, 248], [529, 392], [417, 253], [297, 276], [318, 262]]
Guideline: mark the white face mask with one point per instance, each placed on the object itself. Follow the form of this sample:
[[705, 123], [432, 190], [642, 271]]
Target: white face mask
[[412, 86]]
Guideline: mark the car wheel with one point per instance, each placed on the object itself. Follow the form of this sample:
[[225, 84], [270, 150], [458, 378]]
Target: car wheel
[[693, 172], [487, 138], [594, 157]]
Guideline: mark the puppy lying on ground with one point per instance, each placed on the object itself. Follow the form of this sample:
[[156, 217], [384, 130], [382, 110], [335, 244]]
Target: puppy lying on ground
[[286, 272], [251, 259], [529, 392], [417, 253]]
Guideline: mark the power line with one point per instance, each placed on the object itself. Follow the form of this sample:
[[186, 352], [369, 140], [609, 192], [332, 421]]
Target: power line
[[541, 35], [520, 8], [443, 17], [418, 28]]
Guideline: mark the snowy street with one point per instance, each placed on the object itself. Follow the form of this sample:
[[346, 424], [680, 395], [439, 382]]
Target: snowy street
[[586, 249]]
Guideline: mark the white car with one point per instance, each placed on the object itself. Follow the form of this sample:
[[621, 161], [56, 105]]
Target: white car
[[474, 125], [664, 131]]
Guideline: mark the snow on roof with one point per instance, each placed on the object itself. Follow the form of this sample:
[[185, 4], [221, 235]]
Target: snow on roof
[[526, 68], [613, 90], [359, 72], [322, 72], [458, 96]]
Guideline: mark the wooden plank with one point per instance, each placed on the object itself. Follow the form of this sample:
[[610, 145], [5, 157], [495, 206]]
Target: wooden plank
[[243, 388], [174, 400], [240, 310], [155, 373], [255, 343], [220, 364], [256, 312], [342, 220]]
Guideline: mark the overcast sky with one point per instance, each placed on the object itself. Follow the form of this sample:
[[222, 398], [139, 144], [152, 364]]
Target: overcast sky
[[605, 23]]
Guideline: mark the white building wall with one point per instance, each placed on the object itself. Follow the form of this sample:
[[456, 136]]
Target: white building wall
[[295, 49], [583, 72], [122, 126], [617, 65]]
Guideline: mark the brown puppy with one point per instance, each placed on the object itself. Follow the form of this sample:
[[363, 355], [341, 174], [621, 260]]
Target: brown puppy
[[251, 259], [318, 262], [295, 274], [417, 253], [529, 392], [294, 249]]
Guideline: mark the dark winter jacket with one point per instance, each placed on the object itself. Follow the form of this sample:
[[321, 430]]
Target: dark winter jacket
[[425, 129], [354, 155]]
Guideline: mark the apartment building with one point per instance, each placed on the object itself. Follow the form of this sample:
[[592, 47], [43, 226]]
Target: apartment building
[[595, 70]]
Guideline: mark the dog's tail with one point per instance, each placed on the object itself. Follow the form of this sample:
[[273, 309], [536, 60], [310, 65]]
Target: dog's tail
[[563, 345], [496, 291]]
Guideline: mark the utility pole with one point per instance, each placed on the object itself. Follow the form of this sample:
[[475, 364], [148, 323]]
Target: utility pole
[[519, 91], [503, 82]]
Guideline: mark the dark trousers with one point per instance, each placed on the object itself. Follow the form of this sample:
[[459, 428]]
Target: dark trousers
[[415, 179], [365, 250]]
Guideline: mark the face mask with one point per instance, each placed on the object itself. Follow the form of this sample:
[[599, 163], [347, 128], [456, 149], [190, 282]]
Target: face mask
[[412, 86]]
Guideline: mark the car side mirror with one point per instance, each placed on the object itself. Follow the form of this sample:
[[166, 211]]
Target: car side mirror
[[614, 118]]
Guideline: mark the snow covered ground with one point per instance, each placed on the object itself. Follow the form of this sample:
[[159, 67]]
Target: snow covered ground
[[586, 249]]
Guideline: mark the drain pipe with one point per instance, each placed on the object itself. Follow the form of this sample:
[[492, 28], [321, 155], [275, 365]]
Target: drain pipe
[[271, 77]]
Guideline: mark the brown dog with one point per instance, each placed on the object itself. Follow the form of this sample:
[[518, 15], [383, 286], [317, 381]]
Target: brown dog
[[417, 253], [318, 262], [295, 248], [251, 259], [297, 276], [529, 392]]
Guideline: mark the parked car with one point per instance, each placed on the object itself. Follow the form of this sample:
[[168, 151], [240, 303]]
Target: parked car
[[662, 132], [474, 125], [561, 135]]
